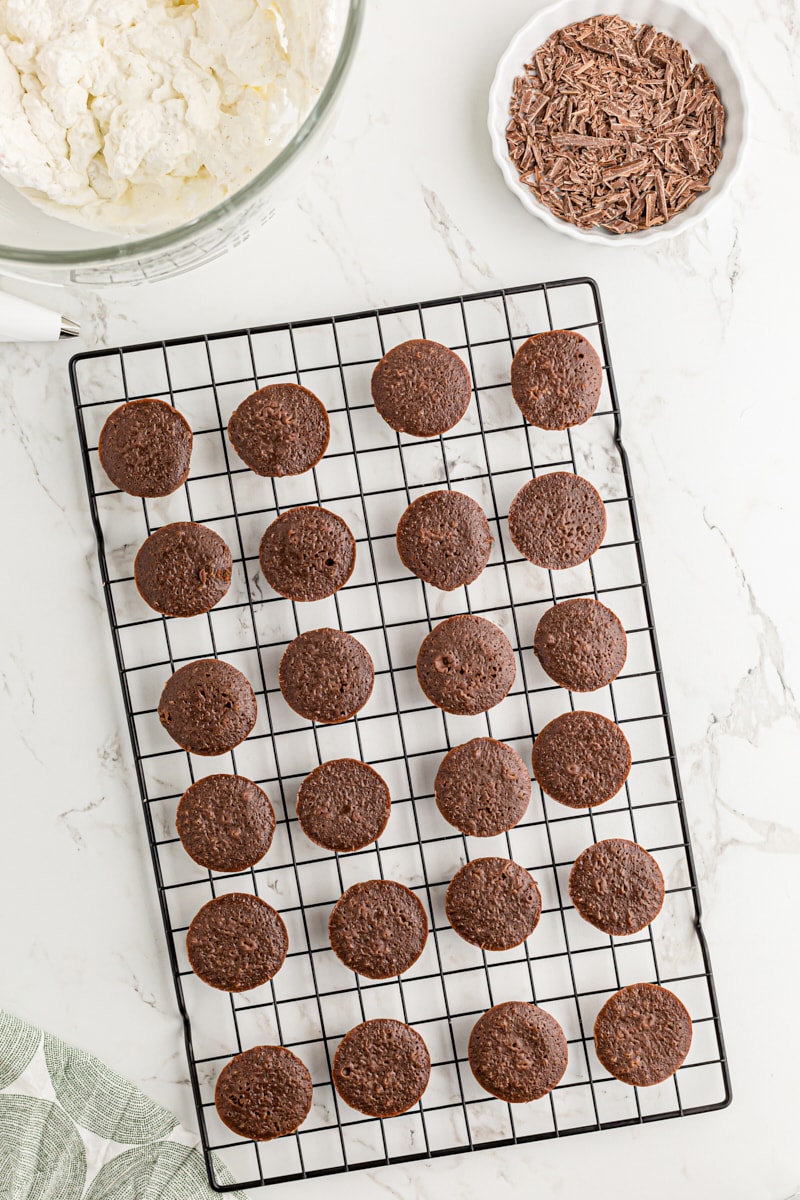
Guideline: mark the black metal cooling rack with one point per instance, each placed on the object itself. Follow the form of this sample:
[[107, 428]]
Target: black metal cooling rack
[[369, 476]]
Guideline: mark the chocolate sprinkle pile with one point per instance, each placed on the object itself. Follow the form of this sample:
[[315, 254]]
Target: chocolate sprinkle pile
[[614, 126]]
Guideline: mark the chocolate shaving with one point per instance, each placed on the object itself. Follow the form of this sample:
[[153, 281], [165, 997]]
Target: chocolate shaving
[[614, 126]]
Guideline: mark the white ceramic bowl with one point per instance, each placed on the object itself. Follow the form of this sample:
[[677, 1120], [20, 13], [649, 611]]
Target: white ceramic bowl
[[703, 45]]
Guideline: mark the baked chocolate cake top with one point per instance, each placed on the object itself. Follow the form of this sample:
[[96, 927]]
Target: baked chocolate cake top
[[236, 942], [556, 379], [208, 707], [482, 787], [225, 822], [183, 569], [307, 553], [466, 665], [326, 675], [378, 928], [343, 805], [557, 521], [444, 539], [381, 1068], [282, 429], [581, 644], [421, 388], [518, 1052], [493, 903], [581, 759], [264, 1093], [617, 886], [642, 1034], [145, 447]]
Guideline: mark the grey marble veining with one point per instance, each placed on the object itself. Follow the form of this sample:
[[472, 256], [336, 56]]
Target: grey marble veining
[[405, 203]]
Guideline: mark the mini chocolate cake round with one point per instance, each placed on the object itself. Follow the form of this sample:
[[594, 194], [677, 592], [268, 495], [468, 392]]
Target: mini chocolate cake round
[[381, 1068], [145, 448], [264, 1093], [517, 1052], [422, 388], [466, 665], [208, 707], [557, 521], [307, 553], [556, 379], [378, 928], [581, 644], [642, 1034], [326, 675], [482, 787], [343, 805], [581, 759], [225, 822], [617, 886], [493, 903], [444, 539], [183, 569], [236, 942], [282, 429]]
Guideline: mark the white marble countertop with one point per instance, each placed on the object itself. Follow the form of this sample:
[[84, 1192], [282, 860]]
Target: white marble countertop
[[407, 204]]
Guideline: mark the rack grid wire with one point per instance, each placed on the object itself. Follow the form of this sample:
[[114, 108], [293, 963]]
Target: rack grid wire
[[369, 475]]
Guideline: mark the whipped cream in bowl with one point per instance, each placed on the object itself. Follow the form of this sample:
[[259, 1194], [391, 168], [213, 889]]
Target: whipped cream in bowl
[[132, 118]]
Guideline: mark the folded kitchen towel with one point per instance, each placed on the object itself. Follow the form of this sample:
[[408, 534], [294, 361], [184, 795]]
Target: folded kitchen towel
[[72, 1129]]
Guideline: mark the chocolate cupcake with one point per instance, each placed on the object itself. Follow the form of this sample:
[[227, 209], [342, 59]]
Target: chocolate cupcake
[[264, 1093], [556, 379], [343, 805], [517, 1052], [642, 1034], [482, 787], [183, 569], [557, 521], [236, 942], [466, 665], [145, 447], [581, 759], [326, 675], [581, 644], [378, 928], [421, 388], [307, 553], [444, 539], [381, 1068], [225, 822], [282, 429], [617, 886], [208, 707], [493, 903]]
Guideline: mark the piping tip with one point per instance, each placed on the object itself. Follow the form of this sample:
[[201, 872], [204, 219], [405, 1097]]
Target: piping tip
[[69, 329]]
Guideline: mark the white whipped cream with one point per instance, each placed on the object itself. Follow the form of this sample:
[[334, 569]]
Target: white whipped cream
[[138, 115]]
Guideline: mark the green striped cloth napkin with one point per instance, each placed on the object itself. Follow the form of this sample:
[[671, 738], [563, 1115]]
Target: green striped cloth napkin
[[72, 1129]]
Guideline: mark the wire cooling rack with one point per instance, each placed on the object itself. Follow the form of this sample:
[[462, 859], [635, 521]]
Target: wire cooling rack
[[368, 476]]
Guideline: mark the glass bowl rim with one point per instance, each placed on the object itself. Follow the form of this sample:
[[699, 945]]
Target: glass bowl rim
[[172, 238]]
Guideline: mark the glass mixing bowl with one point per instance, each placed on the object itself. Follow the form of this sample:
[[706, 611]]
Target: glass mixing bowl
[[34, 245]]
